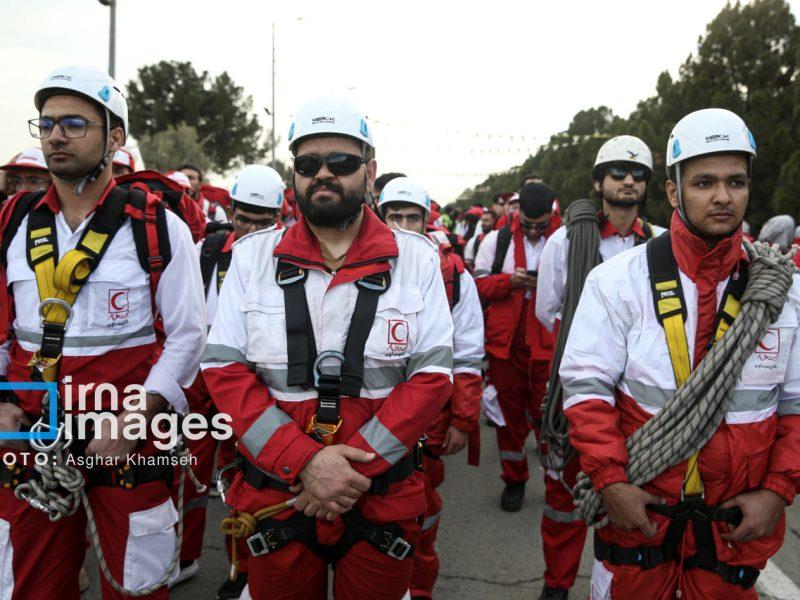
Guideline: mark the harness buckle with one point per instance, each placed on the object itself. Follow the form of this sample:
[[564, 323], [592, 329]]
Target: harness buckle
[[156, 263], [288, 276], [379, 282], [399, 549], [127, 477], [264, 542]]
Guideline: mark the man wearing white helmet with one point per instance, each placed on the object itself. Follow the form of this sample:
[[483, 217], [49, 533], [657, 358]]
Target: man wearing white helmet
[[26, 172], [332, 352], [135, 261], [622, 169], [257, 196], [404, 204], [644, 322], [124, 163]]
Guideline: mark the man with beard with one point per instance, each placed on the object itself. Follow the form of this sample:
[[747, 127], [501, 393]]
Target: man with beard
[[332, 352], [621, 172], [487, 221]]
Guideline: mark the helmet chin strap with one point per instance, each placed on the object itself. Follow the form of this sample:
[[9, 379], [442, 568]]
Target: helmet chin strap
[[92, 175]]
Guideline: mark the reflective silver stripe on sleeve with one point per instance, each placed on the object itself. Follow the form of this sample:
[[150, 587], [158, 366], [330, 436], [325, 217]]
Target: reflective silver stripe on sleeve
[[560, 516], [87, 341], [789, 407], [589, 386], [259, 433], [224, 354], [468, 363], [438, 356], [383, 441], [508, 455], [481, 273], [431, 521], [199, 502]]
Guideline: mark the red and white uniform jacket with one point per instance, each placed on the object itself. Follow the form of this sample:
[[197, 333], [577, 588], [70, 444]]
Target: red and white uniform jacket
[[111, 337], [407, 368], [212, 296], [554, 267], [510, 308], [617, 373], [463, 410]]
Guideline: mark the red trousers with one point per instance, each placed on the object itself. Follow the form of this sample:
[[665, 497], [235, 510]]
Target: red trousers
[[194, 502], [661, 583], [296, 573], [41, 559], [563, 531], [521, 385], [426, 561]]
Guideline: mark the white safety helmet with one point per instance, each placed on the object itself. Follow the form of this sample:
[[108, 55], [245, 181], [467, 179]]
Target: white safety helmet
[[709, 131], [32, 158], [258, 185], [180, 178], [703, 132], [623, 148], [330, 115], [96, 85], [405, 189], [124, 157]]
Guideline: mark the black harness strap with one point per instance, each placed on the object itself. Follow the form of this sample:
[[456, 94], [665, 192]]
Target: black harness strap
[[21, 210], [456, 288], [300, 344], [211, 256], [503, 243]]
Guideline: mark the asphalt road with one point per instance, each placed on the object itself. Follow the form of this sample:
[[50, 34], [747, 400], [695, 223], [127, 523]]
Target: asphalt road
[[485, 553]]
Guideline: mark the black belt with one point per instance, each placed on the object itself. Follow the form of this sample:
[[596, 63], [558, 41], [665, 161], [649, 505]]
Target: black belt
[[129, 476], [399, 471], [272, 534], [701, 516]]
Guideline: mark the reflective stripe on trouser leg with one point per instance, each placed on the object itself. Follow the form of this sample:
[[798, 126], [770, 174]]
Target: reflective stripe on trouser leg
[[563, 532]]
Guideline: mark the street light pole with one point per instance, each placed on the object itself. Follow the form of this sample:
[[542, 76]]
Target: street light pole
[[272, 134], [112, 29]]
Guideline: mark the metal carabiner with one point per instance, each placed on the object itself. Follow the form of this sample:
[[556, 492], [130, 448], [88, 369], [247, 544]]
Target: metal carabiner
[[222, 485], [65, 305]]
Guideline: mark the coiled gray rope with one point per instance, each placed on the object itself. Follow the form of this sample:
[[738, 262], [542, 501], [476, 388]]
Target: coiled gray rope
[[693, 414], [58, 476], [583, 232]]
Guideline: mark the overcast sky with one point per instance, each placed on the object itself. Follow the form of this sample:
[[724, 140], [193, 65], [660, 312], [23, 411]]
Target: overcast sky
[[454, 90]]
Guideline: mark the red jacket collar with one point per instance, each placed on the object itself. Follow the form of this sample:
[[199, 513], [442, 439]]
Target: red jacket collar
[[228, 243], [51, 201], [697, 261], [372, 247], [607, 229]]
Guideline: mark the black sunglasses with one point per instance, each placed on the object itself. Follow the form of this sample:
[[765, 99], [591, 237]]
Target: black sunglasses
[[619, 173], [338, 163], [537, 226]]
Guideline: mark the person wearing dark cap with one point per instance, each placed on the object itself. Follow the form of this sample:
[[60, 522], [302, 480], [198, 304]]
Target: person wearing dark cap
[[506, 268]]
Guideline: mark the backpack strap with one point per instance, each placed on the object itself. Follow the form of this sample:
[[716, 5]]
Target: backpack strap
[[151, 235], [210, 256], [503, 243], [21, 209]]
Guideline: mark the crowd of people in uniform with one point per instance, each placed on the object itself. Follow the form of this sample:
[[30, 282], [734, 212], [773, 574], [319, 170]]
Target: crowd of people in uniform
[[353, 331]]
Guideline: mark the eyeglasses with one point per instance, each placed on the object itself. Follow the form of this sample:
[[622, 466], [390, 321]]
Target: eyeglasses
[[338, 163], [639, 174], [247, 222], [537, 226], [71, 127], [30, 184]]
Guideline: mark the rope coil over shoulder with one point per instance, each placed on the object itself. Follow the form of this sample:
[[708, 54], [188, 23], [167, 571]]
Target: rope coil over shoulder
[[582, 223], [689, 419]]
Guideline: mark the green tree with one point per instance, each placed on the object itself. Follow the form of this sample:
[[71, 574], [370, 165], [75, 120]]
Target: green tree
[[169, 148], [169, 94], [747, 62]]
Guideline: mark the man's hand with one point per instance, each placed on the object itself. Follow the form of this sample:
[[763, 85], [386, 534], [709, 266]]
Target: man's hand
[[329, 478], [11, 418], [455, 440], [520, 278], [625, 504], [761, 509]]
